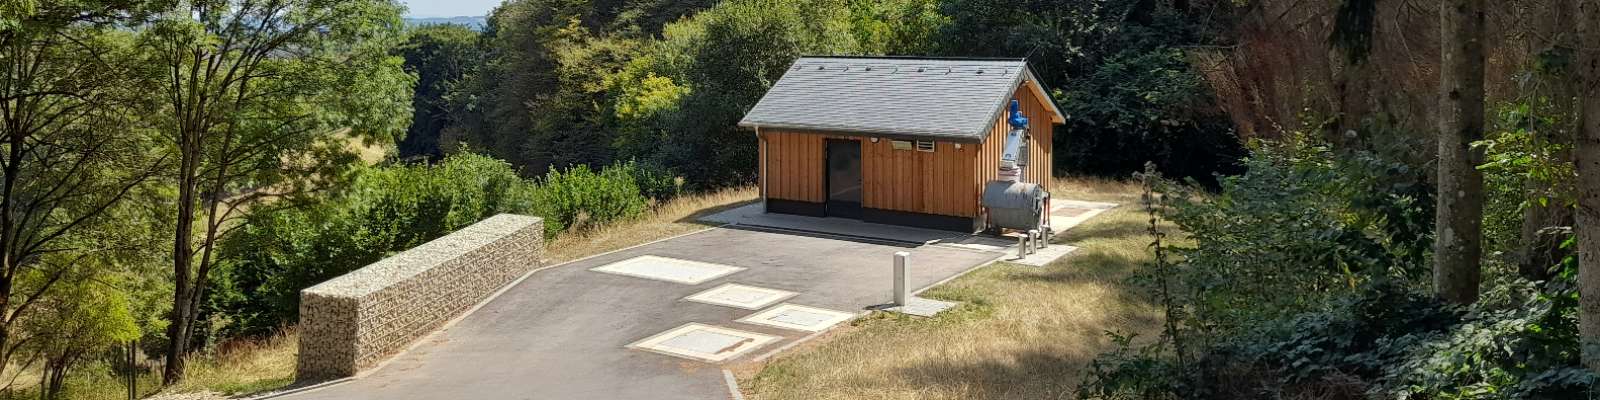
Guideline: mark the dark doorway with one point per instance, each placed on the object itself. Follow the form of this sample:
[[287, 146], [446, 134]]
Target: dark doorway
[[844, 178]]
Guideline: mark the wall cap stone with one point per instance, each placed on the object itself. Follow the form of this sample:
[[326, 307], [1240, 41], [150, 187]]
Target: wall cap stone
[[407, 264]]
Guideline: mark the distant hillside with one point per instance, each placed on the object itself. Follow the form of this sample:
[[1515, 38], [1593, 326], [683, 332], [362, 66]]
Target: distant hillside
[[476, 23]]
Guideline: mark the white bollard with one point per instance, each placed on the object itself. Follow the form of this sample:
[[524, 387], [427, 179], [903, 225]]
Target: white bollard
[[902, 291], [1044, 238], [1022, 246], [1033, 237]]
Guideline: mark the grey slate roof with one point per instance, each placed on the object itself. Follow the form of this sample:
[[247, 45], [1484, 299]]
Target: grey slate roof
[[951, 99]]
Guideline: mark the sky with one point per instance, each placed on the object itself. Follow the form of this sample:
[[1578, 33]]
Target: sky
[[449, 8]]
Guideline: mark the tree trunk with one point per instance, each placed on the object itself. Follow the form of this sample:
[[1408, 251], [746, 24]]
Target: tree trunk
[[182, 259], [1587, 159], [1459, 219]]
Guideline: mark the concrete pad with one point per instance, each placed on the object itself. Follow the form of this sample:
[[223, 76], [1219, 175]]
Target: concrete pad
[[740, 296], [668, 269], [1065, 214], [703, 342], [923, 307], [1042, 257], [979, 242], [753, 215], [798, 317]]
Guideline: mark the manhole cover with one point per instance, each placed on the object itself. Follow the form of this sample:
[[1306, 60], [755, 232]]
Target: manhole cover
[[798, 317], [740, 296], [668, 269], [703, 342]]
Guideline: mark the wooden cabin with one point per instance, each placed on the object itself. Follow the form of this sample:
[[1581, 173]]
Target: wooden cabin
[[905, 141]]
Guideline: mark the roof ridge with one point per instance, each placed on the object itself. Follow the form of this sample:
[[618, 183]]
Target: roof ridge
[[930, 58]]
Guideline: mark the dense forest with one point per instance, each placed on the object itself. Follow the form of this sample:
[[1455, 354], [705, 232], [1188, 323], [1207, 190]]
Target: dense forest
[[1391, 199]]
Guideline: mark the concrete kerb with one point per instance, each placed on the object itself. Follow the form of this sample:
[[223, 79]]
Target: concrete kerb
[[733, 385], [452, 322]]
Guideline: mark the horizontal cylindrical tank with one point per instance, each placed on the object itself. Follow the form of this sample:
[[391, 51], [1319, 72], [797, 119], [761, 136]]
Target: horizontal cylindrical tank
[[1014, 205]]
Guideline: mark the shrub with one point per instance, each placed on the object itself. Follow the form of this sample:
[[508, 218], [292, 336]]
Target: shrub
[[655, 182], [1304, 221], [578, 197], [278, 252], [1308, 281], [1384, 341]]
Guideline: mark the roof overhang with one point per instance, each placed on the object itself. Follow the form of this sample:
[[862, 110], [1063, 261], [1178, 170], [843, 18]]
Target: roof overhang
[[1032, 83], [868, 133]]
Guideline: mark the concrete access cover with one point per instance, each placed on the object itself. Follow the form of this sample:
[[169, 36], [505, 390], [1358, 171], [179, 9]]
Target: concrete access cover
[[703, 342], [798, 317], [668, 269], [740, 296]]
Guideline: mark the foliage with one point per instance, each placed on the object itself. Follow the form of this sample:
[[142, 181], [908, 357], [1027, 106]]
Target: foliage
[[80, 320], [698, 138], [579, 197], [1384, 341], [278, 252], [656, 183], [284, 249], [75, 154], [1117, 70], [1131, 372], [1527, 165], [1304, 221], [440, 56], [1161, 268], [259, 101], [897, 27], [539, 99], [1307, 282], [1137, 107]]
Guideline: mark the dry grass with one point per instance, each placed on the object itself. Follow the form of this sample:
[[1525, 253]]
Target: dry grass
[[239, 367], [674, 218], [244, 366], [1021, 333]]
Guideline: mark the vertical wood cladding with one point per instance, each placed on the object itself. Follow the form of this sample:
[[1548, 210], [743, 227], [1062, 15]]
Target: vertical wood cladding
[[902, 180], [794, 166], [947, 181], [1040, 129]]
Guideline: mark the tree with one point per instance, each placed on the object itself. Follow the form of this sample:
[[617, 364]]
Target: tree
[[85, 318], [260, 100], [440, 56], [1459, 245], [1587, 158], [70, 147]]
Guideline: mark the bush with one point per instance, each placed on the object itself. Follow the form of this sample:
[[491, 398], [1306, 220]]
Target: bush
[[578, 197], [1308, 281], [1305, 221], [276, 253], [655, 182], [1384, 341]]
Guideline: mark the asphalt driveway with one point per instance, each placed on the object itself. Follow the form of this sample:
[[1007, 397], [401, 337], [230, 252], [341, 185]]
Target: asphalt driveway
[[562, 333]]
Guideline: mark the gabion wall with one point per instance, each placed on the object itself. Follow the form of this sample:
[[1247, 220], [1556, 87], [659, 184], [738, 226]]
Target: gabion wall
[[352, 322]]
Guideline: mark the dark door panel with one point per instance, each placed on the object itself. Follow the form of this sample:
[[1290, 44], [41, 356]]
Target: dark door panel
[[844, 178]]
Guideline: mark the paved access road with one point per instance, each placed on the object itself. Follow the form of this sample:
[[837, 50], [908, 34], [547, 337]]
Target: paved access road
[[560, 334]]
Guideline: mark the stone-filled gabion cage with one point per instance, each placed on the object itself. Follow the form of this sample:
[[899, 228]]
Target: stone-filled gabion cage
[[353, 322]]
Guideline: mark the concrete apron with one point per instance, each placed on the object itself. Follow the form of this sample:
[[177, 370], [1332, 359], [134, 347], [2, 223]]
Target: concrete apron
[[570, 332], [566, 332]]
